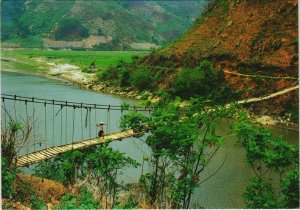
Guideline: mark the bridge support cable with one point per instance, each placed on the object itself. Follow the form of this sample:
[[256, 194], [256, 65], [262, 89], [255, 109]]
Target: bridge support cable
[[15, 97], [108, 120], [71, 104], [27, 121], [73, 126], [45, 108], [33, 123], [81, 122], [53, 124], [66, 124], [90, 123], [61, 124], [96, 121], [3, 100]]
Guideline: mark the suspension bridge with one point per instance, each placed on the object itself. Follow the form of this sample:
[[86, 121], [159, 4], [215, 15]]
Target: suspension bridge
[[55, 126], [53, 117]]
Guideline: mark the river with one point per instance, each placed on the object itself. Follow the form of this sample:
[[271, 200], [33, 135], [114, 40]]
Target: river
[[224, 190]]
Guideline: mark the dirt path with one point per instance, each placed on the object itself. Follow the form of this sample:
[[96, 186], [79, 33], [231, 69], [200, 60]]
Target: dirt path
[[258, 76]]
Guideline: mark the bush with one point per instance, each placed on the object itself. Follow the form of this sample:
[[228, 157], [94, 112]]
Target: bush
[[142, 80], [199, 81], [84, 201], [124, 77], [8, 177], [111, 73], [50, 169]]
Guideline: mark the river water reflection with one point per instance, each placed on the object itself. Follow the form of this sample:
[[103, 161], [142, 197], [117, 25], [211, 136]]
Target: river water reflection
[[224, 190]]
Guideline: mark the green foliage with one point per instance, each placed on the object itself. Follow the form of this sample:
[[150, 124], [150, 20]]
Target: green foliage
[[85, 200], [203, 81], [87, 70], [290, 189], [164, 95], [50, 170], [68, 201], [62, 168], [111, 73], [125, 24], [124, 106], [224, 6], [134, 120], [102, 163], [142, 80], [144, 96], [261, 145], [266, 154], [9, 140], [8, 177], [178, 138], [37, 203], [131, 203], [124, 77], [260, 194]]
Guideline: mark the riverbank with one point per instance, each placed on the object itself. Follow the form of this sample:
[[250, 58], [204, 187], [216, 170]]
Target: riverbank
[[72, 74], [69, 66]]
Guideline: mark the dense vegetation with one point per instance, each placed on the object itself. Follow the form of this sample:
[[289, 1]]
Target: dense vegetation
[[27, 22], [202, 80], [182, 139], [98, 167], [274, 162], [181, 132]]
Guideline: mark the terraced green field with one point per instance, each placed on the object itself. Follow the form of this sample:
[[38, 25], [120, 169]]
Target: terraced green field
[[29, 60]]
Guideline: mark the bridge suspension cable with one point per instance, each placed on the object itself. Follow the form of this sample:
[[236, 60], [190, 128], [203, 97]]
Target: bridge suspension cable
[[72, 104], [36, 112]]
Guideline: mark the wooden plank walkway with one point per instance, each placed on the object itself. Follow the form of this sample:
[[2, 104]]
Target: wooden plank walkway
[[51, 152]]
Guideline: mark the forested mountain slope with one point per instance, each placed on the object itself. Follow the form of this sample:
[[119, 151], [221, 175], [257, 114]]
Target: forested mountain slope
[[252, 46], [107, 25], [255, 44]]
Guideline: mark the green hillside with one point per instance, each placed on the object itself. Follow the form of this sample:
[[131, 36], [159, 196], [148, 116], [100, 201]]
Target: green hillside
[[117, 24]]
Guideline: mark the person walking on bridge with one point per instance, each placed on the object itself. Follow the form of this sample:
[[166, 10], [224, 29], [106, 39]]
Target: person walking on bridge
[[101, 129]]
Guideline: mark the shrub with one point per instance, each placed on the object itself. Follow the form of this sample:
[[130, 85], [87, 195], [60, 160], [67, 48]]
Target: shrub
[[142, 80], [8, 177], [85, 200], [50, 170], [197, 81], [111, 73], [124, 77]]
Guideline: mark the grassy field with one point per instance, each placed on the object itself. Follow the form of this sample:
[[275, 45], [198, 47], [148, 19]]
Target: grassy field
[[29, 60]]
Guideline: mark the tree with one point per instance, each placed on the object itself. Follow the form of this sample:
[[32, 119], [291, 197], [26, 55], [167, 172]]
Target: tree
[[13, 140], [142, 79], [269, 155], [182, 141], [98, 167], [202, 80]]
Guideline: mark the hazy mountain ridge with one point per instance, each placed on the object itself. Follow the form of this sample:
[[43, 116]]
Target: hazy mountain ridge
[[124, 22]]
